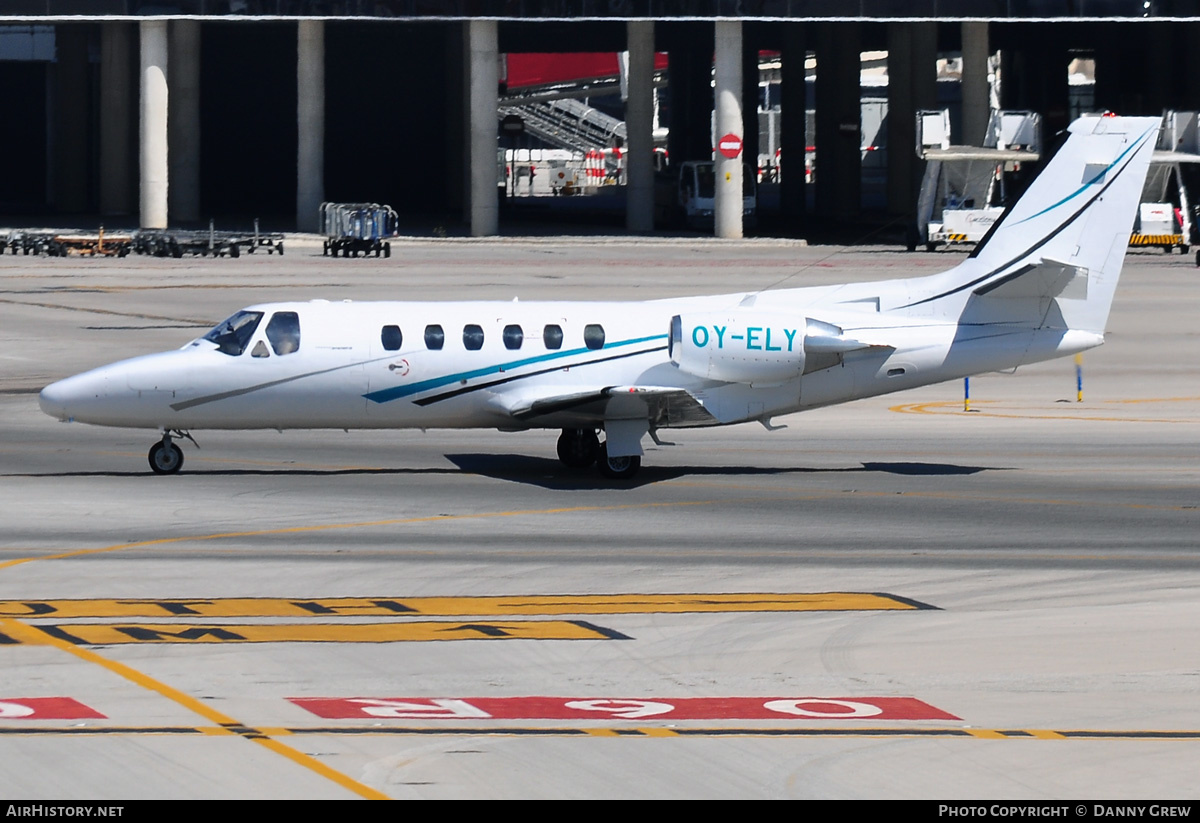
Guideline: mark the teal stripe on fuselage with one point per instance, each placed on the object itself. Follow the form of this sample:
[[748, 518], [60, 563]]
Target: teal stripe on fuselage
[[397, 392]]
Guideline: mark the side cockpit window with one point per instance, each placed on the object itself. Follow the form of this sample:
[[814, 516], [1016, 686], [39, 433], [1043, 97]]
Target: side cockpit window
[[284, 332], [233, 335]]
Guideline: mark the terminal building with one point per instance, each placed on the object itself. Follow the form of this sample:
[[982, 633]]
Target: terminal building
[[164, 113]]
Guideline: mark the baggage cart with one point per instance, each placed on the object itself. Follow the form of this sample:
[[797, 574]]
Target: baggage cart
[[352, 229]]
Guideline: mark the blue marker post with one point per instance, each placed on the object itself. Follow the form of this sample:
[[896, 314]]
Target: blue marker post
[[1079, 378], [966, 394]]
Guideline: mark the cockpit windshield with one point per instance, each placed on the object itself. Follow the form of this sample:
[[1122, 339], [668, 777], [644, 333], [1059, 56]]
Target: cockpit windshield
[[233, 335]]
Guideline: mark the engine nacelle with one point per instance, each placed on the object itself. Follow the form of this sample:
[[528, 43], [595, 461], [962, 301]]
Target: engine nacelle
[[739, 346]]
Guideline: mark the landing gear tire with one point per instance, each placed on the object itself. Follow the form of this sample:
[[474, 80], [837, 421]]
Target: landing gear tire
[[165, 458], [617, 468], [577, 448]]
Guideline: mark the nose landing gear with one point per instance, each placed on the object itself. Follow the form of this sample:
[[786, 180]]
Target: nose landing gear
[[165, 457]]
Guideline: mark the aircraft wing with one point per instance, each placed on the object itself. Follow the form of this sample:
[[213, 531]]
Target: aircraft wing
[[659, 405]]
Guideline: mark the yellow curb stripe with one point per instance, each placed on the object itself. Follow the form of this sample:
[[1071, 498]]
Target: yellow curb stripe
[[326, 608], [986, 734], [953, 407]]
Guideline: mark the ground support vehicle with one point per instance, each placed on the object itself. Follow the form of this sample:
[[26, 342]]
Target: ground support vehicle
[[687, 195], [63, 244], [27, 242], [358, 228], [91, 245], [271, 241], [177, 243], [963, 191], [1166, 216]]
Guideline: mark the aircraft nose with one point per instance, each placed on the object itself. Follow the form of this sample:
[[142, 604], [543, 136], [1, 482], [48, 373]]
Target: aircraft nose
[[65, 399], [53, 400]]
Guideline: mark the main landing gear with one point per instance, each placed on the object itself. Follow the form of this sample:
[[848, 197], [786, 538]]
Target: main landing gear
[[165, 457], [577, 448], [617, 468], [580, 448]]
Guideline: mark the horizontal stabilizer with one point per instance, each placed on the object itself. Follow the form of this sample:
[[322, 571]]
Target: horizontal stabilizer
[[1042, 280]]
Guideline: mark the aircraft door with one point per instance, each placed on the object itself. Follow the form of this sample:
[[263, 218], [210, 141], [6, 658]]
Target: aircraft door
[[390, 367]]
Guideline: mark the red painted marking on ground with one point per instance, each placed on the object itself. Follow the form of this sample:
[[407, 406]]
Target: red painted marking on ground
[[636, 709], [45, 708]]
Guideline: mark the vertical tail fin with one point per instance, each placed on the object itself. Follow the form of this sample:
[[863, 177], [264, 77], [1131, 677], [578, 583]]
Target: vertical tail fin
[[1067, 235]]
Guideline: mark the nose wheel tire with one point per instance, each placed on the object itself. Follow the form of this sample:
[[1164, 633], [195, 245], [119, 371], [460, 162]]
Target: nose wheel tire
[[617, 468], [165, 458]]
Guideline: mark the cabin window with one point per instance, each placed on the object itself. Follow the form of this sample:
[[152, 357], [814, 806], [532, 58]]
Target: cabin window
[[513, 337], [593, 336], [391, 338], [552, 336], [284, 332], [233, 335], [472, 337], [435, 338]]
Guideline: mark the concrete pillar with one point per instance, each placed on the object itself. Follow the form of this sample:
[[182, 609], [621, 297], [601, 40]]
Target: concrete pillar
[[453, 86], [751, 133], [71, 105], [727, 100], [1187, 53], [1162, 66], [152, 138], [183, 122], [310, 123], [793, 130], [116, 119], [639, 127], [912, 86], [839, 121], [690, 76], [976, 93], [1034, 77], [483, 67]]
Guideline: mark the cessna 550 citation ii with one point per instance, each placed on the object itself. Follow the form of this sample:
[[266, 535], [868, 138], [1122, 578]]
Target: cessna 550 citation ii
[[1038, 287]]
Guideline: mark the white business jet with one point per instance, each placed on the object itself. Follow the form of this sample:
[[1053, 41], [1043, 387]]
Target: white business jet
[[1039, 286]]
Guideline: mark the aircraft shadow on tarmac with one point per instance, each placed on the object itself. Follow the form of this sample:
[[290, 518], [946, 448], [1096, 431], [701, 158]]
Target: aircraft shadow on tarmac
[[548, 473]]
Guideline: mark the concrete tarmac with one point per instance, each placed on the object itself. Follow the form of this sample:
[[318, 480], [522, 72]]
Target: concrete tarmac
[[998, 604]]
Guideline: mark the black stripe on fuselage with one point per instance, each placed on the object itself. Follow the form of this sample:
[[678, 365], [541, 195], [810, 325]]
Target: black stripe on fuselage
[[225, 395], [184, 405], [437, 398]]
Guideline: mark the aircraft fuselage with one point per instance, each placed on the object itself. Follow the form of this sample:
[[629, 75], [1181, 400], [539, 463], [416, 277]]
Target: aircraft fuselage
[[457, 365]]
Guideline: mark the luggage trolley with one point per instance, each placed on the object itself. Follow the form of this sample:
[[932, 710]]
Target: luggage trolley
[[354, 228]]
